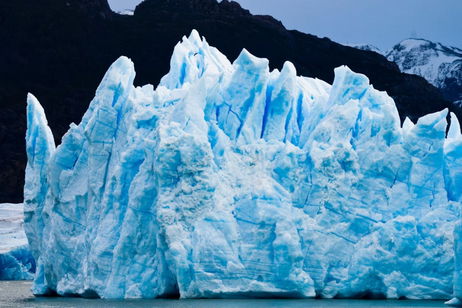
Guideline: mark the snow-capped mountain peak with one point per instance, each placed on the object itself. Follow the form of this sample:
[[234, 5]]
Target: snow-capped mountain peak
[[440, 65]]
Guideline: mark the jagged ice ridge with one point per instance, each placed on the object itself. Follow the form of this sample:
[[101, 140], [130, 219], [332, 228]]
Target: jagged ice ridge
[[229, 180]]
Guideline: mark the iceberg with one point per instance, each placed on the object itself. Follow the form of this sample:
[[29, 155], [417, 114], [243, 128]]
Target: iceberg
[[230, 180], [16, 261]]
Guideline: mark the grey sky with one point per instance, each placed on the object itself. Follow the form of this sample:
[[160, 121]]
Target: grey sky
[[382, 23]]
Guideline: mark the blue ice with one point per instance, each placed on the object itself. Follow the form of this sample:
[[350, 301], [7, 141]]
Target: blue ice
[[229, 179]]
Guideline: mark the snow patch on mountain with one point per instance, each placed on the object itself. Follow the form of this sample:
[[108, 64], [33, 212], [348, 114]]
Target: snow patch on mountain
[[366, 47]]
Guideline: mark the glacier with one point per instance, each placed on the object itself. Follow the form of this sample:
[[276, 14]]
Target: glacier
[[231, 180], [16, 261]]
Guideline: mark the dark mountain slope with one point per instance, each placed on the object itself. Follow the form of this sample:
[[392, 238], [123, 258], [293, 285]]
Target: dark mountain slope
[[60, 49]]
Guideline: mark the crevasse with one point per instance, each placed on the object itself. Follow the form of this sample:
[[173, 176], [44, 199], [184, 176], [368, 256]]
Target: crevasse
[[229, 180]]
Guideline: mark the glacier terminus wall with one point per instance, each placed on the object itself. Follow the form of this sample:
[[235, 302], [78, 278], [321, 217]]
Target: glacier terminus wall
[[229, 180]]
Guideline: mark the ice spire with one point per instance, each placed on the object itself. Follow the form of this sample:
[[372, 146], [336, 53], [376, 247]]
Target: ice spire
[[193, 58], [40, 146]]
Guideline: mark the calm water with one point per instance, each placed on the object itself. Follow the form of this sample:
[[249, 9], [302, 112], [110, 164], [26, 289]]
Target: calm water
[[17, 294]]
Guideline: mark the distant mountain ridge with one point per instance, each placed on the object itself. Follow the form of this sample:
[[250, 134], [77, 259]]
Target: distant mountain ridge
[[59, 51], [367, 47]]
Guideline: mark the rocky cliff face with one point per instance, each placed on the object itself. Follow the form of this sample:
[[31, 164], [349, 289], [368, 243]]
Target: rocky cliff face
[[59, 50], [440, 65]]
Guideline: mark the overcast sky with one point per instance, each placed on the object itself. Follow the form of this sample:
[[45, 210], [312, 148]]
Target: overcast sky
[[382, 23]]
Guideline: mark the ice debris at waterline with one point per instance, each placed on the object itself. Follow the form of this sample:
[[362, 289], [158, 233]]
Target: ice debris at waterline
[[16, 261], [230, 180]]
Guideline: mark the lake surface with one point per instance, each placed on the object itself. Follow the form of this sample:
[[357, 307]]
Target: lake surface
[[17, 294]]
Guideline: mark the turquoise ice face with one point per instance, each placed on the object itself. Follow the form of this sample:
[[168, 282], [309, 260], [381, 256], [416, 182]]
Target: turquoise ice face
[[233, 180]]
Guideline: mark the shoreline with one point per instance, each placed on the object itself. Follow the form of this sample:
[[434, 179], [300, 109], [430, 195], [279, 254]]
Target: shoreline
[[18, 294]]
